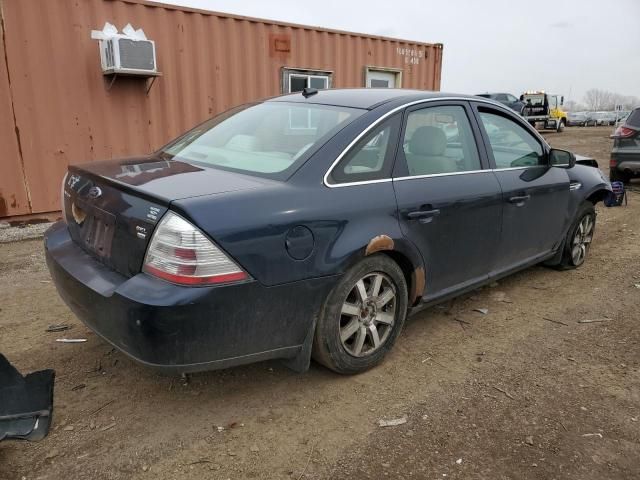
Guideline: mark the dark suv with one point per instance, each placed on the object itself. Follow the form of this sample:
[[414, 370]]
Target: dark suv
[[506, 99], [625, 154]]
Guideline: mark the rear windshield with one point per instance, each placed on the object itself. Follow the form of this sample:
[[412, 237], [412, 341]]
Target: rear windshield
[[537, 100], [268, 139], [634, 118]]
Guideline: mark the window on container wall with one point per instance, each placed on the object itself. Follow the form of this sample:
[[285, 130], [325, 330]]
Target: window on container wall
[[380, 77], [297, 79]]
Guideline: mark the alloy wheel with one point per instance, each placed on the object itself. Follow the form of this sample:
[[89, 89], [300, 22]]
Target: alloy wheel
[[582, 240], [368, 314]]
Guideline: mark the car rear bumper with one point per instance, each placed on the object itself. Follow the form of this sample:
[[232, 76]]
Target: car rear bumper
[[183, 329], [626, 161]]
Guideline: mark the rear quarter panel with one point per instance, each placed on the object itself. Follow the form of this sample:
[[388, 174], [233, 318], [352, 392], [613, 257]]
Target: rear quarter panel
[[253, 226]]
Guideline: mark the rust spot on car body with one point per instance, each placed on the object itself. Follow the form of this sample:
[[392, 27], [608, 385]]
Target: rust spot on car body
[[378, 244], [417, 285]]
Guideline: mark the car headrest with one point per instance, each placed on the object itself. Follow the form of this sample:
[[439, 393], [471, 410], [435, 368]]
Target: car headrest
[[428, 141]]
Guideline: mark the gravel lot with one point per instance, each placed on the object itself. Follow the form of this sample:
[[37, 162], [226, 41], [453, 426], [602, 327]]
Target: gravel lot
[[523, 392]]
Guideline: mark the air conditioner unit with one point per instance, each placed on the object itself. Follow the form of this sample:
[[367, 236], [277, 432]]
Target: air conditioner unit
[[122, 54]]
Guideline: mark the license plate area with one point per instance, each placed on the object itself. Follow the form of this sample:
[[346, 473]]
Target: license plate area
[[97, 230]]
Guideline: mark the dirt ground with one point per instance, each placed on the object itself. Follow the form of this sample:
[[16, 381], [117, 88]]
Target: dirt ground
[[523, 392]]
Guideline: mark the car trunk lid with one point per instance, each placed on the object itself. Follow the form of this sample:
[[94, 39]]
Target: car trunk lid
[[112, 207]]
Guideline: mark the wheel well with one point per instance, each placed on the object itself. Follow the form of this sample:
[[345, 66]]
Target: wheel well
[[409, 271], [597, 196]]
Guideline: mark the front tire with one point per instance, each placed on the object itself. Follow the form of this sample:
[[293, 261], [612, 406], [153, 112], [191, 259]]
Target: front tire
[[579, 237], [560, 126], [362, 316]]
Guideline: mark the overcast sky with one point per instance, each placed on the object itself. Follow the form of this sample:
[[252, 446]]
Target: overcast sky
[[563, 46]]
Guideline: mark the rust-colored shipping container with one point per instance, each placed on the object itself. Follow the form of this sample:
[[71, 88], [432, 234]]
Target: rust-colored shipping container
[[57, 107]]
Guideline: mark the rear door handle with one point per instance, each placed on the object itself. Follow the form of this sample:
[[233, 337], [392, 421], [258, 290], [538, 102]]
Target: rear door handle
[[423, 216], [519, 199]]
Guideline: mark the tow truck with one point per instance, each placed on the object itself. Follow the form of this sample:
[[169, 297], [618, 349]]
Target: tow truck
[[544, 108]]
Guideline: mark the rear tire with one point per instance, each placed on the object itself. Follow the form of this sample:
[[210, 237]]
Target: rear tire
[[578, 240], [362, 316]]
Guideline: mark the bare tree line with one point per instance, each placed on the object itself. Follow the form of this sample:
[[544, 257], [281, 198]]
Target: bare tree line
[[603, 100]]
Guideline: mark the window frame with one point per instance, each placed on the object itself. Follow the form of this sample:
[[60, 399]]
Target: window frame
[[397, 74], [401, 169], [503, 112], [471, 105]]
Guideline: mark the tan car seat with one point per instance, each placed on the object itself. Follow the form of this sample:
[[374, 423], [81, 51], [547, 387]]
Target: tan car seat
[[425, 152]]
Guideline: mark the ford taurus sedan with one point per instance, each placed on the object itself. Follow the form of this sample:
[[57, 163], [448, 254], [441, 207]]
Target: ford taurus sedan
[[312, 224]]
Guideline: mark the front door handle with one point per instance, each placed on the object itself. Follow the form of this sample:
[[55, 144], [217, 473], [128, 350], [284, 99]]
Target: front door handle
[[519, 200], [423, 216]]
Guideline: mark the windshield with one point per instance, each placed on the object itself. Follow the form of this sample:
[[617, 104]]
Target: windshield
[[268, 139]]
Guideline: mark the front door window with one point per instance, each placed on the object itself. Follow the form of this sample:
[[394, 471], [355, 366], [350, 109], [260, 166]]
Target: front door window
[[511, 144]]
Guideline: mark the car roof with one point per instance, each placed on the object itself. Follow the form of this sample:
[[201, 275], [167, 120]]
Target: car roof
[[368, 98]]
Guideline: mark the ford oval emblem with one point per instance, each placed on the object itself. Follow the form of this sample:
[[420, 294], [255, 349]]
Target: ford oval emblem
[[94, 192]]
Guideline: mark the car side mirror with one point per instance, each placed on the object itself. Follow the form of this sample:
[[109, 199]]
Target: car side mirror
[[561, 158], [561, 100]]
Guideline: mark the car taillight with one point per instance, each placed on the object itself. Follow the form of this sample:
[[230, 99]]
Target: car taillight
[[623, 132], [613, 163], [180, 253]]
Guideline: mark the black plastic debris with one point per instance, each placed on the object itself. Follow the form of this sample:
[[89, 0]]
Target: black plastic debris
[[26, 403]]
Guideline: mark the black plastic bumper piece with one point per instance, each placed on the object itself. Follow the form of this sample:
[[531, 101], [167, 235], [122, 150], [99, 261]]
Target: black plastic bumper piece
[[26, 403]]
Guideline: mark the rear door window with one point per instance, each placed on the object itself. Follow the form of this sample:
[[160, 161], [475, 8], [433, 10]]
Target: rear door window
[[439, 140]]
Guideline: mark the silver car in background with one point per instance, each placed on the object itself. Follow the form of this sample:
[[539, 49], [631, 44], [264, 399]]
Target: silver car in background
[[580, 119]]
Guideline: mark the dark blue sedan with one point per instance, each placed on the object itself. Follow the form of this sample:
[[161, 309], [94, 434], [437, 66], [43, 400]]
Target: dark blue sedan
[[312, 224]]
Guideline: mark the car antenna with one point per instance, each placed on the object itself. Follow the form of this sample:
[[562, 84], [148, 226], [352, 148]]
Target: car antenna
[[307, 92]]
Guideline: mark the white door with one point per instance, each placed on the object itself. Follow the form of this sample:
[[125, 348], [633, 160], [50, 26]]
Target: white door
[[381, 79]]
